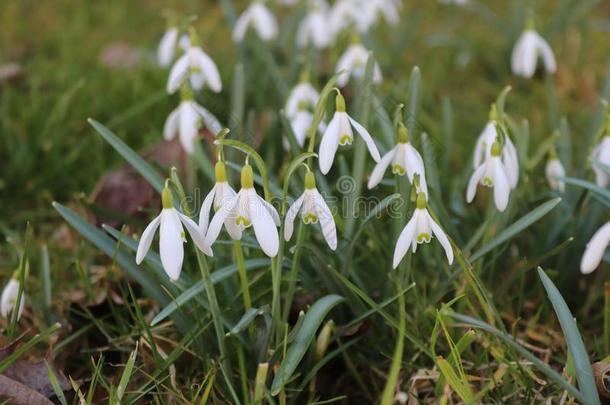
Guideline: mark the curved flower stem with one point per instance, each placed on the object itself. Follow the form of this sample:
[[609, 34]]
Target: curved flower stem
[[208, 286], [243, 277], [294, 270]]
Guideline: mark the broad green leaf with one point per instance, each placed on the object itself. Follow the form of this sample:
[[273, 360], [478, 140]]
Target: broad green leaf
[[576, 346], [518, 226], [245, 320], [312, 321], [135, 160]]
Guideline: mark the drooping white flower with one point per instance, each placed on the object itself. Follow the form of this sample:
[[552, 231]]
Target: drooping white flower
[[315, 28], [302, 96], [353, 64], [216, 198], [600, 161], [405, 160], [595, 249], [313, 209], [526, 51], [259, 17], [9, 298], [167, 47], [349, 14], [555, 173], [482, 151], [420, 229], [171, 237], [196, 67], [300, 124], [388, 9], [339, 132], [186, 120], [246, 209], [491, 173]]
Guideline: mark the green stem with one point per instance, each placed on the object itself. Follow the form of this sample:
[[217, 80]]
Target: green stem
[[243, 277], [215, 309], [390, 387], [294, 270]]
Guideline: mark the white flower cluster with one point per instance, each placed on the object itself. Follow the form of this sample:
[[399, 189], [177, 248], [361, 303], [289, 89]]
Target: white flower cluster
[[495, 157]]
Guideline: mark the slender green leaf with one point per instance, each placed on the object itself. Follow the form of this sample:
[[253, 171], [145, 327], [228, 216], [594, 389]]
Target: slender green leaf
[[135, 160], [576, 346], [127, 372], [518, 226]]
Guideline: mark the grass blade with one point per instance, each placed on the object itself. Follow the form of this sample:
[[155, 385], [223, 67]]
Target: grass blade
[[576, 346], [516, 227], [135, 160]]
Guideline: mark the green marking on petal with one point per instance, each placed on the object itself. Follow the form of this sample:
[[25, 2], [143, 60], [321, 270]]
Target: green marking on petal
[[399, 170], [345, 140], [487, 182], [310, 218], [423, 237], [243, 221]]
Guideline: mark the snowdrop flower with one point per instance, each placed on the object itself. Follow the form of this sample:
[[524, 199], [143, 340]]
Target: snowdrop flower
[[244, 210], [405, 160], [595, 249], [555, 173], [353, 64], [167, 47], [339, 132], [9, 298], [491, 173], [482, 150], [315, 29], [420, 229], [186, 120], [313, 210], [388, 9], [257, 16], [526, 51], [302, 96], [196, 67], [348, 13], [600, 159], [216, 198], [171, 237], [300, 124]]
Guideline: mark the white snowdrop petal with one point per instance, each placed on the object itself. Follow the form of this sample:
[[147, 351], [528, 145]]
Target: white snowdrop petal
[[204, 212], [264, 226], [442, 239], [178, 73], [329, 145], [167, 47], [290, 217], [219, 219], [370, 144], [209, 120], [241, 26], [501, 186], [404, 241], [170, 128], [380, 168], [146, 239], [474, 182], [548, 58], [171, 242], [271, 210], [196, 234], [595, 249], [208, 68], [327, 222]]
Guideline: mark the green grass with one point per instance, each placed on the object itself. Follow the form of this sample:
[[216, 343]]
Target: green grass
[[483, 328]]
